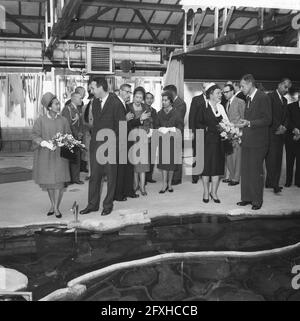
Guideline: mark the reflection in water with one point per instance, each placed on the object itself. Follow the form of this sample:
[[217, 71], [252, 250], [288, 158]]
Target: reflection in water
[[51, 257]]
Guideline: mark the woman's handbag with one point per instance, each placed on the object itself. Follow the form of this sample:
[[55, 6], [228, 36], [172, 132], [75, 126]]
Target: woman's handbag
[[228, 148], [67, 154]]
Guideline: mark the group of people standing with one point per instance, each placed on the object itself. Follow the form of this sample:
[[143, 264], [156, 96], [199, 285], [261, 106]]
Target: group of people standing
[[265, 120], [267, 123]]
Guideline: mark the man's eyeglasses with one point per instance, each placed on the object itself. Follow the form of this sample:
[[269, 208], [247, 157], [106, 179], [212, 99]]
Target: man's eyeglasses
[[226, 92], [127, 91]]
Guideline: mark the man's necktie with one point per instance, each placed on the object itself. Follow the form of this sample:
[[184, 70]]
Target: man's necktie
[[100, 104], [248, 100], [228, 106]]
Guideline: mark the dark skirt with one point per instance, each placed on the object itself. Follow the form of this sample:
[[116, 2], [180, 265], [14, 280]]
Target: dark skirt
[[170, 166], [214, 159]]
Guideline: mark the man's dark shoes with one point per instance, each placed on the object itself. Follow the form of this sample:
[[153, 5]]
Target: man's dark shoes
[[277, 189], [244, 203], [133, 195], [288, 185], [256, 207], [151, 180], [195, 180], [88, 210], [232, 183], [106, 212], [78, 182], [121, 199]]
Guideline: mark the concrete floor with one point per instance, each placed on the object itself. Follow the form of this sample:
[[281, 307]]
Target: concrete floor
[[24, 203]]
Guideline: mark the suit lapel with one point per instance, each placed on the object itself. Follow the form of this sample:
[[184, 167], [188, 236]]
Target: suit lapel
[[105, 106]]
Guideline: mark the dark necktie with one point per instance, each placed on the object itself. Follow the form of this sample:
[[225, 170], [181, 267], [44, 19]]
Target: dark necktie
[[228, 106], [248, 100], [100, 104]]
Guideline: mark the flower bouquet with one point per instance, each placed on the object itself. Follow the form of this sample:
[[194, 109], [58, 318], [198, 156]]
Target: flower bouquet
[[296, 133], [230, 134], [68, 144]]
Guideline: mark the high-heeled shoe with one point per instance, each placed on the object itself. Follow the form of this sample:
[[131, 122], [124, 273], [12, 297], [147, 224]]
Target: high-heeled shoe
[[205, 200], [163, 191], [50, 213], [143, 192], [170, 190], [58, 214], [216, 200]]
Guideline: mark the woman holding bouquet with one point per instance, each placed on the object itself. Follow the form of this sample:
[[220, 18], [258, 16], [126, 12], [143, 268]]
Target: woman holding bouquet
[[50, 170], [214, 153]]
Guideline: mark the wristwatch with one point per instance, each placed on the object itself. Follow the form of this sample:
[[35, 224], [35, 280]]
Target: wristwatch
[[249, 124]]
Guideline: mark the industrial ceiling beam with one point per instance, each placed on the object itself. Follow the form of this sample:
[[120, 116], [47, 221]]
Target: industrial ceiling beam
[[243, 34], [197, 29], [146, 25], [227, 22], [84, 22], [62, 27], [19, 24], [158, 7]]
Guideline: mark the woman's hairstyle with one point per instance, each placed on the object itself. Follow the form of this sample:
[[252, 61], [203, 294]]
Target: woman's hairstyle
[[169, 95], [210, 90], [141, 90]]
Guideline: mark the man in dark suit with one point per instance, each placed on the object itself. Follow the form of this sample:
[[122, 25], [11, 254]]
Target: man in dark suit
[[255, 142], [277, 134], [180, 106], [73, 116], [198, 102], [237, 91], [149, 100], [124, 188], [292, 143], [107, 111]]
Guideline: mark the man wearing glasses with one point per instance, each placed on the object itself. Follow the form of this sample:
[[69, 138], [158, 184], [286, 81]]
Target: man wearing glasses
[[235, 109]]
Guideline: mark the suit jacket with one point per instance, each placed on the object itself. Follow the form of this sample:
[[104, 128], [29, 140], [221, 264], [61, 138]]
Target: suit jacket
[[236, 110], [74, 119], [180, 106], [209, 122], [293, 118], [197, 103], [259, 114], [111, 113], [279, 112], [241, 96]]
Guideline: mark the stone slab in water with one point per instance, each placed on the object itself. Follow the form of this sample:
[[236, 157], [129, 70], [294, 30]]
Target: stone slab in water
[[15, 174], [12, 280]]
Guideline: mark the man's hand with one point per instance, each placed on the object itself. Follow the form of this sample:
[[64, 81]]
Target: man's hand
[[242, 123], [129, 116], [280, 130], [296, 131], [145, 116]]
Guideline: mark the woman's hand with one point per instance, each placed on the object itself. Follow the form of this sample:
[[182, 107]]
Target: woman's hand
[[48, 145], [129, 116], [145, 116]]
